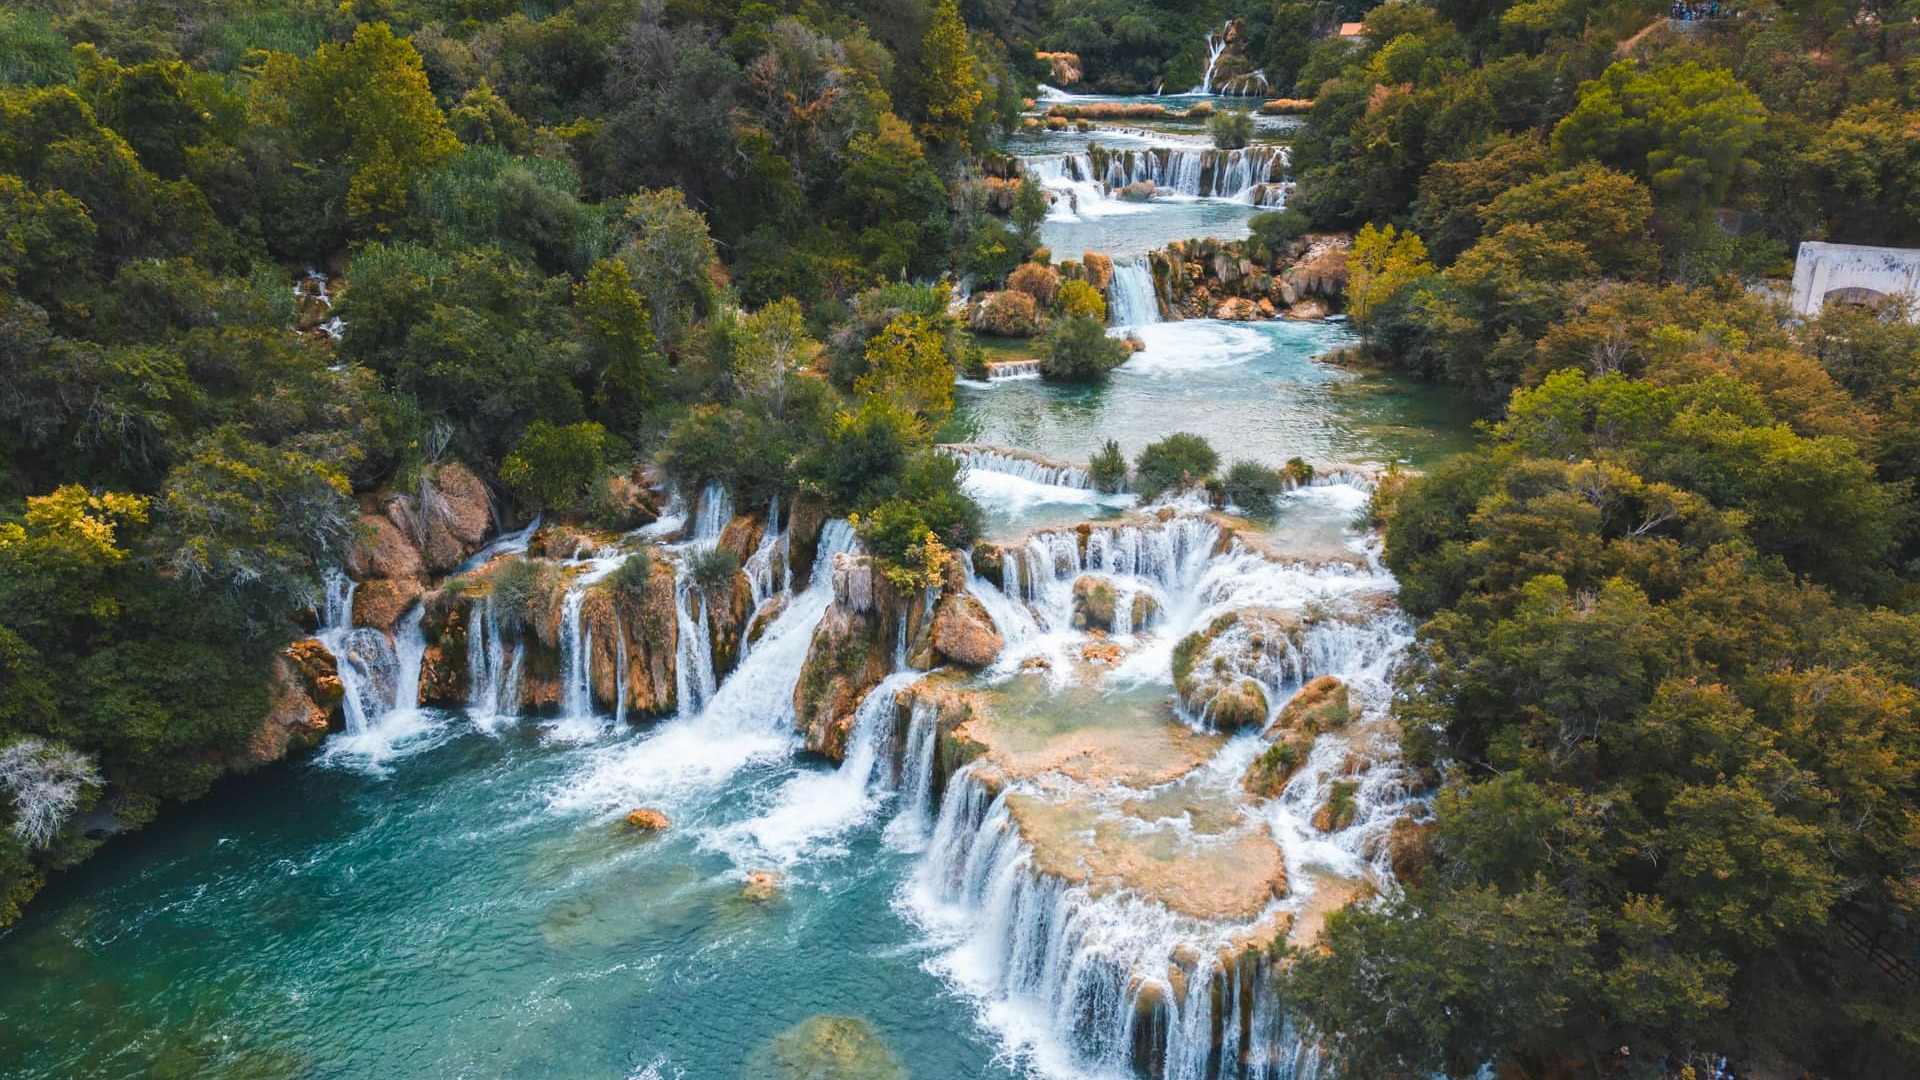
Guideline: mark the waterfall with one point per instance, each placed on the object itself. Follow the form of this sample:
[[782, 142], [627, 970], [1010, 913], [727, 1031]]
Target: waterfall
[[493, 667], [1088, 967], [1007, 370], [1130, 299], [378, 674], [1216, 45], [505, 544], [908, 828], [758, 696], [693, 680], [1010, 616], [759, 565], [576, 649], [714, 512], [1080, 182], [1037, 470]]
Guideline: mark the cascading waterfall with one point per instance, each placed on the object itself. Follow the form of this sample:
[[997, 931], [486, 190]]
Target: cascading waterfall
[[715, 510], [1057, 474], [1079, 182], [1130, 299], [1091, 968], [915, 816], [1010, 616], [693, 679], [493, 665], [370, 669], [1216, 46], [760, 565], [1007, 370], [576, 643]]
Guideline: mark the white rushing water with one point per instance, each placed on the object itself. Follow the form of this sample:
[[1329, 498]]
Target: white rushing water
[[1216, 45], [1088, 184], [1131, 301]]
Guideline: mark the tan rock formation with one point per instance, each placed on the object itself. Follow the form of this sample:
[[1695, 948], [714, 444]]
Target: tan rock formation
[[647, 819], [964, 633]]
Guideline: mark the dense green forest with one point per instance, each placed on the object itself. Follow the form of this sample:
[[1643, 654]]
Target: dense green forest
[[579, 236], [1666, 685], [1665, 676]]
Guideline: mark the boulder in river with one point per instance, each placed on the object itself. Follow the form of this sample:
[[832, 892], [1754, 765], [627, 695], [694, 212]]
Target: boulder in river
[[963, 632], [647, 819]]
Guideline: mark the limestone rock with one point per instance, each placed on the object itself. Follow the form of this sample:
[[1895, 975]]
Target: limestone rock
[[827, 1048], [964, 633], [293, 720], [1237, 309], [1242, 704], [460, 523], [384, 552], [848, 657], [380, 603], [1410, 849], [646, 819], [1306, 310], [1266, 777], [1323, 704]]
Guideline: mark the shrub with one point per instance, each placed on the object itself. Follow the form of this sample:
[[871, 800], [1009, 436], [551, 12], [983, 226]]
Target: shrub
[[1079, 298], [1109, 469], [1278, 229], [713, 568], [521, 591], [1010, 313], [1080, 351], [1040, 282], [1179, 461], [1253, 487], [630, 578], [1231, 130], [556, 465]]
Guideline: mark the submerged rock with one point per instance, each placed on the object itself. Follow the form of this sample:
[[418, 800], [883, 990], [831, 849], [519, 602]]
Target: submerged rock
[[647, 819], [762, 885], [827, 1048]]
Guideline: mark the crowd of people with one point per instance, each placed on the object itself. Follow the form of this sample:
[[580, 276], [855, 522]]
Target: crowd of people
[[1684, 12]]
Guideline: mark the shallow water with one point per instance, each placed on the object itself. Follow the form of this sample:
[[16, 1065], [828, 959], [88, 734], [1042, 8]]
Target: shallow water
[[458, 919], [1253, 390]]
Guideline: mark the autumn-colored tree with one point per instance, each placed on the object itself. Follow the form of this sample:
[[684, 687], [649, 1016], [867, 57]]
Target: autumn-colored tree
[[907, 365], [1383, 261]]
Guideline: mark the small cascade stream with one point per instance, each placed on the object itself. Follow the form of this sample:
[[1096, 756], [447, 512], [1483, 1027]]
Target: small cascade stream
[[1130, 299], [1216, 46]]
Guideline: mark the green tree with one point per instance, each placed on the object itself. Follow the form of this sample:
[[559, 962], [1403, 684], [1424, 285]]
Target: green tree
[[556, 466], [622, 357], [363, 108], [254, 524], [907, 365], [1685, 129], [1231, 129], [1029, 210], [1382, 263], [1173, 464], [1080, 351], [948, 84]]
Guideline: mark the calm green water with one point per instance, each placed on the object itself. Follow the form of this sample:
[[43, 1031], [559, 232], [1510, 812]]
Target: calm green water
[[1253, 390], [476, 913]]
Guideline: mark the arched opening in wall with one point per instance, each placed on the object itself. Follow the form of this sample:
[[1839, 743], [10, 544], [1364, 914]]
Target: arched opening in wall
[[1856, 297]]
